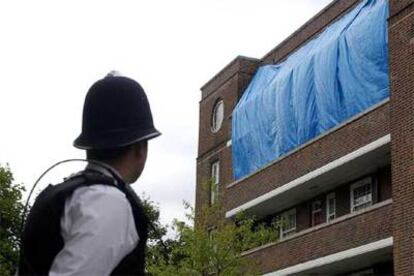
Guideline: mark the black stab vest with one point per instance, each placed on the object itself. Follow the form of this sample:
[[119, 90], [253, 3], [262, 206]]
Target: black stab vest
[[42, 240]]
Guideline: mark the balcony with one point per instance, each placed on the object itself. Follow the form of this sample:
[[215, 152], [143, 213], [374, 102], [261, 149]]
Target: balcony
[[353, 241], [363, 161]]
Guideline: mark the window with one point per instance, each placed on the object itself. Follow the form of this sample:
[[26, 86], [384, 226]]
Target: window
[[218, 116], [330, 207], [317, 217], [215, 178], [288, 223], [361, 194]]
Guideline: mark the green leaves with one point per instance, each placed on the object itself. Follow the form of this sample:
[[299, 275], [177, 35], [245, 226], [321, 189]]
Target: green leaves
[[11, 210], [210, 244]]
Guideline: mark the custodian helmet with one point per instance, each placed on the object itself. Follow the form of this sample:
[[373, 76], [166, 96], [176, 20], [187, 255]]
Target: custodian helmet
[[116, 113]]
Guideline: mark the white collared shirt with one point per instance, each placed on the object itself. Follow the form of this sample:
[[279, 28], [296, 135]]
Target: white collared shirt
[[98, 230]]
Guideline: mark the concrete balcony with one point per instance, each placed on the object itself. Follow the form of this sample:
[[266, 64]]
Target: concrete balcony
[[358, 163]]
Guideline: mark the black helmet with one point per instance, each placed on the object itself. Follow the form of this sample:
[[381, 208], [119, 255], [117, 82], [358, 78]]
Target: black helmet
[[116, 113]]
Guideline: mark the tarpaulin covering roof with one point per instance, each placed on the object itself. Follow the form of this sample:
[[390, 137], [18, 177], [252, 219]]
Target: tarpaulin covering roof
[[335, 76]]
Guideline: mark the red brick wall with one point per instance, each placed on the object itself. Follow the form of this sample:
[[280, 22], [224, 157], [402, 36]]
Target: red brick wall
[[398, 8], [228, 86], [350, 137], [207, 139], [401, 51], [356, 231], [204, 170]]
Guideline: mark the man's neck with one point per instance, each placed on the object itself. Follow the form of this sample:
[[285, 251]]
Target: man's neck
[[106, 169]]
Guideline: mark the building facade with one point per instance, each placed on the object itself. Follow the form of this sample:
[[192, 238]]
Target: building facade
[[346, 196]]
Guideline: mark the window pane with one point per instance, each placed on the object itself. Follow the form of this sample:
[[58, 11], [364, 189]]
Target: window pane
[[288, 222], [361, 196], [218, 116], [215, 172], [215, 178]]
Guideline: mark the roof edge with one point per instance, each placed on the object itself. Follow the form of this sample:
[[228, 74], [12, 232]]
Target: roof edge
[[228, 71]]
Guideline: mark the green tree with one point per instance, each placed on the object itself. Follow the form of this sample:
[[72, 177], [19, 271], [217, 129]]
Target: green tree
[[212, 247], [11, 209]]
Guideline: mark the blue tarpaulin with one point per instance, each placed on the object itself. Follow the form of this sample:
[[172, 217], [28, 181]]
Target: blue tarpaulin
[[335, 76]]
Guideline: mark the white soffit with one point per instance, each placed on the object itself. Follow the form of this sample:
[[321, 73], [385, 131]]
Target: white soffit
[[340, 256], [315, 173]]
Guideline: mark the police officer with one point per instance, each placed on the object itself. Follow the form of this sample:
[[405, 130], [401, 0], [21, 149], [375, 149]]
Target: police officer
[[93, 223]]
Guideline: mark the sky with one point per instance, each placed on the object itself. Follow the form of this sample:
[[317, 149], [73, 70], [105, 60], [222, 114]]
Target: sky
[[51, 52]]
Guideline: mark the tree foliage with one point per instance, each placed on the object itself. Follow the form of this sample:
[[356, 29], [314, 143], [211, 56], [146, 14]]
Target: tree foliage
[[212, 247], [11, 210]]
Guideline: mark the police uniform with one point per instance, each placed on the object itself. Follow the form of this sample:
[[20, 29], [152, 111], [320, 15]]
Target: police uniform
[[93, 223]]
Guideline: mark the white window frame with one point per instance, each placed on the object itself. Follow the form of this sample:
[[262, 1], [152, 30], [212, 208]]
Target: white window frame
[[330, 214], [314, 211], [216, 122], [358, 184], [284, 217], [215, 180]]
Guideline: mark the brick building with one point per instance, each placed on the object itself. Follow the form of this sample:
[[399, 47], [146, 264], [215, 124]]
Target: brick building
[[347, 195]]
